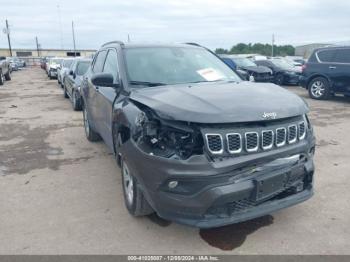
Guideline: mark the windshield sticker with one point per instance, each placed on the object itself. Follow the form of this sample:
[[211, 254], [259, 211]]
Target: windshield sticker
[[209, 74]]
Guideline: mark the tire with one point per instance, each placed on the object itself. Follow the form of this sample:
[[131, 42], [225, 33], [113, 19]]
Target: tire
[[319, 88], [91, 135], [65, 95], [134, 200], [8, 76], [2, 78], [76, 101], [279, 79]]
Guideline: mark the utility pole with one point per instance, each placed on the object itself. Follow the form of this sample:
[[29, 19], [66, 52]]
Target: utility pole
[[75, 53], [37, 46], [273, 43], [7, 31]]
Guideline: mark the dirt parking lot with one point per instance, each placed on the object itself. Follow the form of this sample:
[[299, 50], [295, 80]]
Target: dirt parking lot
[[60, 194]]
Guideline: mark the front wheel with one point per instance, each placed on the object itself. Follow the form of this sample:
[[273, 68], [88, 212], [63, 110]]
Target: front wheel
[[2, 78], [319, 88], [76, 101], [8, 76], [91, 135], [279, 79], [134, 199]]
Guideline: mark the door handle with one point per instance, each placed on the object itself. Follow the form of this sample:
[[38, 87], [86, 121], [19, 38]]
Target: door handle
[[332, 67]]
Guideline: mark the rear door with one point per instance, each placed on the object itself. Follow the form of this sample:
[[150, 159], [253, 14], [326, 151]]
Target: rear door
[[340, 69], [106, 97]]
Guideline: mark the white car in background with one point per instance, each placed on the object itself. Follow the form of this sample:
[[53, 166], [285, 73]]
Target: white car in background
[[52, 65], [63, 70]]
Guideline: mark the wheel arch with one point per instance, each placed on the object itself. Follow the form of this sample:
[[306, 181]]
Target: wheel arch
[[319, 75]]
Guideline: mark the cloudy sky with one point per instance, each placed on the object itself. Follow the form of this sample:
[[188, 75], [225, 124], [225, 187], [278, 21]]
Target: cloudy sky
[[213, 23]]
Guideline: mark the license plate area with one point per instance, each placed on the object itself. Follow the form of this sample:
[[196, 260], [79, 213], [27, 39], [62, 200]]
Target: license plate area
[[269, 185]]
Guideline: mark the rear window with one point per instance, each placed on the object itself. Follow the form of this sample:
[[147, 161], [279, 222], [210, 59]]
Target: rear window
[[342, 56], [326, 55]]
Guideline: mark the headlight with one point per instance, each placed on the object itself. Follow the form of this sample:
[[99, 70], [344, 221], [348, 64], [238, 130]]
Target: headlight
[[163, 139]]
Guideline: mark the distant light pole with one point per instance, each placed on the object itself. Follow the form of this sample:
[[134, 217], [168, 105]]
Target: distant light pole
[[273, 43], [74, 39], [37, 45], [7, 32]]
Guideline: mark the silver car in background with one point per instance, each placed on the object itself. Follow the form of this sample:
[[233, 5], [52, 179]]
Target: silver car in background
[[62, 71]]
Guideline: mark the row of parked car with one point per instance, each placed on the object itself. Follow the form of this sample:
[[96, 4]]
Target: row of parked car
[[69, 73], [8, 65], [279, 70], [195, 143]]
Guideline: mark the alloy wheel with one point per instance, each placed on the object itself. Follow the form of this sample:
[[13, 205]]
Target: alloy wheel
[[128, 184], [318, 89]]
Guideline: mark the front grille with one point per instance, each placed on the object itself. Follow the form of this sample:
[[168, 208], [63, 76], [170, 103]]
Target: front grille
[[251, 141], [234, 143], [254, 139], [215, 143], [292, 134]]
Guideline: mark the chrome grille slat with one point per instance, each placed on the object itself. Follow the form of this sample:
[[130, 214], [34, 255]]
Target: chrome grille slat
[[234, 143], [267, 139], [302, 130], [281, 135], [251, 141], [292, 134], [215, 143]]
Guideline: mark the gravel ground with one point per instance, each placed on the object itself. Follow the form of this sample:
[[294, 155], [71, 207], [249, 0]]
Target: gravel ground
[[60, 194]]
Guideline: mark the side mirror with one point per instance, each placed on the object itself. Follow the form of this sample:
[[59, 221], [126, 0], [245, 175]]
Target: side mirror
[[71, 72], [104, 79]]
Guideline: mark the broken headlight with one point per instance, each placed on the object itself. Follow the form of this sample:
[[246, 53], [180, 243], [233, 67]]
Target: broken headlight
[[164, 139]]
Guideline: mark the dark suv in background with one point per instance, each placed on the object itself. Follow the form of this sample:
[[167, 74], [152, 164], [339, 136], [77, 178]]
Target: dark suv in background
[[246, 68], [196, 144], [327, 72]]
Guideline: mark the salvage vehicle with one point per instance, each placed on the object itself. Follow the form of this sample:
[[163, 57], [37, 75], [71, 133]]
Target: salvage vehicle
[[284, 72], [5, 70], [327, 72], [252, 71], [52, 66], [195, 143], [63, 70], [72, 81]]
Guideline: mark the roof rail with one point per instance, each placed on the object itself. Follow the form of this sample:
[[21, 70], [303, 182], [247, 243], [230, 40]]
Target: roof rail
[[191, 43], [113, 42]]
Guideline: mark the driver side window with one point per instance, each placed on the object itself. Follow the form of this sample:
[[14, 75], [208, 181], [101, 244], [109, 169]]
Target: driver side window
[[111, 64]]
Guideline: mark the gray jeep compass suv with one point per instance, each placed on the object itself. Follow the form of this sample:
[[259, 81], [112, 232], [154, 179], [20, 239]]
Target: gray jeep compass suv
[[195, 143]]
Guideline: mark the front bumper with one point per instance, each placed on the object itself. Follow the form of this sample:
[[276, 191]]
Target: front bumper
[[214, 194], [263, 78], [292, 79], [53, 72]]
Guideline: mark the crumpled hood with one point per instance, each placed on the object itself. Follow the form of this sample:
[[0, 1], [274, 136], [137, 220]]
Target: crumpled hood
[[257, 69], [220, 102]]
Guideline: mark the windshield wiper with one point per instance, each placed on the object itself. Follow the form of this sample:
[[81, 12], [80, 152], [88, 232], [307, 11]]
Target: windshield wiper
[[145, 83]]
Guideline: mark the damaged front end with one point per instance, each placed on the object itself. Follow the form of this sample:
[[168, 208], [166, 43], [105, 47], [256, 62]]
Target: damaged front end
[[209, 175], [168, 139]]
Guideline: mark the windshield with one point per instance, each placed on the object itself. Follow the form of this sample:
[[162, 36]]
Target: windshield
[[82, 68], [282, 64], [243, 62], [175, 65], [67, 63], [56, 61]]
